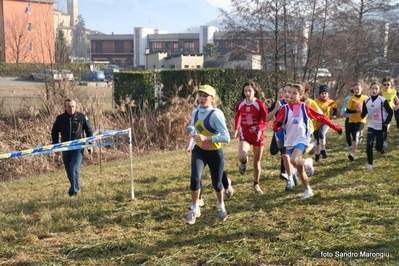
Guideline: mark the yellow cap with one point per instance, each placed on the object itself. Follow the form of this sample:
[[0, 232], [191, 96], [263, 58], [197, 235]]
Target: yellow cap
[[208, 90]]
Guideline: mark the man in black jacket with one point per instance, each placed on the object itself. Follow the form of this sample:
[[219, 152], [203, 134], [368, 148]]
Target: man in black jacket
[[71, 125]]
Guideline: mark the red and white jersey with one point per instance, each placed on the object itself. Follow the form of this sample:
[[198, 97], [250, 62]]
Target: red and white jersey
[[250, 114]]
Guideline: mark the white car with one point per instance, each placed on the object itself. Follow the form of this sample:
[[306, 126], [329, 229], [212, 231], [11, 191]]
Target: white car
[[323, 72], [52, 75]]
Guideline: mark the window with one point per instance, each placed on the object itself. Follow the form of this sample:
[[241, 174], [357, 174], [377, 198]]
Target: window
[[175, 47], [119, 47], [28, 8], [185, 66], [189, 46], [198, 66], [162, 66], [29, 26], [156, 46], [30, 46], [99, 47], [172, 66]]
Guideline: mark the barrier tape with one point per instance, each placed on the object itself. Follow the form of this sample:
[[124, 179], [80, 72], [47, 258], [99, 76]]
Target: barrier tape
[[65, 146]]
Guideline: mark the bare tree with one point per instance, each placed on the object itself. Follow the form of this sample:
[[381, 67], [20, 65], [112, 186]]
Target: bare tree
[[17, 41]]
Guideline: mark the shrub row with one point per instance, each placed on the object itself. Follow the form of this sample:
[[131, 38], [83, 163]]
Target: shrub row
[[136, 89]]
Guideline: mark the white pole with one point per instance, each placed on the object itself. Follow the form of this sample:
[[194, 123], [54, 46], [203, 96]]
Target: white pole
[[131, 163]]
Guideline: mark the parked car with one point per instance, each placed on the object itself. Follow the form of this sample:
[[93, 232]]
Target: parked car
[[94, 75], [109, 73], [52, 75], [67, 75], [45, 75], [323, 72]]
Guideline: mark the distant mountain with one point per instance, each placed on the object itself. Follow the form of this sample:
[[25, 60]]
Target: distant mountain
[[121, 16]]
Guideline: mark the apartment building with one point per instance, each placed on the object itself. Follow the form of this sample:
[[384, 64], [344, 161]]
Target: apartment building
[[116, 49], [27, 31]]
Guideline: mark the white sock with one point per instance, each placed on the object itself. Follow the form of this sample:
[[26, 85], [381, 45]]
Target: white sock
[[220, 205], [194, 207]]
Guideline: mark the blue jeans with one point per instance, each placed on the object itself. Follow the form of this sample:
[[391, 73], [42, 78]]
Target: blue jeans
[[72, 161]]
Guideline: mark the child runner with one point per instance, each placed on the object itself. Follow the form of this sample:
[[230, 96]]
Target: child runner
[[250, 118], [210, 132], [295, 117], [347, 130], [326, 105], [396, 106], [356, 122], [389, 94], [379, 116], [287, 172]]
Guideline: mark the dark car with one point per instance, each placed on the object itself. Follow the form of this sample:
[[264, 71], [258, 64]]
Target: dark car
[[109, 73], [95, 75]]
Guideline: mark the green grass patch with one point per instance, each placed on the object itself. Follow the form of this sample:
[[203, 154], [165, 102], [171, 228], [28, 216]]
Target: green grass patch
[[351, 220]]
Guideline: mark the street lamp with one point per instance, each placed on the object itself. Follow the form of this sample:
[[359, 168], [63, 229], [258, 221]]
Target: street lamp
[[80, 75]]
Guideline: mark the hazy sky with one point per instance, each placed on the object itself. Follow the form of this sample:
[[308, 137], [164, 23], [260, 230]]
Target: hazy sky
[[225, 4]]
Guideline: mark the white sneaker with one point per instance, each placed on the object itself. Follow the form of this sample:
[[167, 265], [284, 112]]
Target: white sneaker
[[313, 150], [308, 193], [243, 167], [222, 214], [192, 215], [229, 191], [348, 148], [309, 169], [290, 184], [370, 167], [257, 189], [283, 176], [385, 146], [351, 156], [201, 202]]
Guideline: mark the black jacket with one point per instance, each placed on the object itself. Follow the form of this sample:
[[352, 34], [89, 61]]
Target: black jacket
[[71, 127]]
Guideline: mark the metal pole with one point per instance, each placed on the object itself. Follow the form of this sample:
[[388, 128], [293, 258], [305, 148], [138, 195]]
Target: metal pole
[[131, 163], [80, 75]]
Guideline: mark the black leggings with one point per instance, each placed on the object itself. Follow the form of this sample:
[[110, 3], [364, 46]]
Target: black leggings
[[348, 132], [215, 160], [371, 135], [356, 130]]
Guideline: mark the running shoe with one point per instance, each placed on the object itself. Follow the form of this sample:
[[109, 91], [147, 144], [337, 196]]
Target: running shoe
[[308, 193], [192, 215]]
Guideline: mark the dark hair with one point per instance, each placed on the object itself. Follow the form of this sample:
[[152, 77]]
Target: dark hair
[[300, 88], [306, 91], [254, 86], [68, 100], [387, 78]]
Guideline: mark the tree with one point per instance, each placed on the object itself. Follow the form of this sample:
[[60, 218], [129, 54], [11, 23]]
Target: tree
[[80, 46], [61, 48], [210, 55], [17, 42]]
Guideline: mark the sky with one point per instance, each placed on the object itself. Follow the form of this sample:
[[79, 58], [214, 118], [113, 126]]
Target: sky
[[225, 4], [122, 16]]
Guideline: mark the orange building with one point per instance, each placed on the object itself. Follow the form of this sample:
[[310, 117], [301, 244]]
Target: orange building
[[27, 31]]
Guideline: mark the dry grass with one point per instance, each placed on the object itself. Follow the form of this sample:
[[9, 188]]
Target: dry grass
[[353, 210], [31, 126]]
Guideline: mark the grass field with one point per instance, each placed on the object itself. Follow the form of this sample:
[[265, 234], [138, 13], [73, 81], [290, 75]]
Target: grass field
[[351, 220], [17, 99]]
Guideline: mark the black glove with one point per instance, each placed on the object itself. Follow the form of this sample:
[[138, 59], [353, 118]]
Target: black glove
[[385, 126], [340, 131]]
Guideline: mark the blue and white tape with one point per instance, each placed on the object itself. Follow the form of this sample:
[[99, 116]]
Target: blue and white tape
[[68, 145]]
